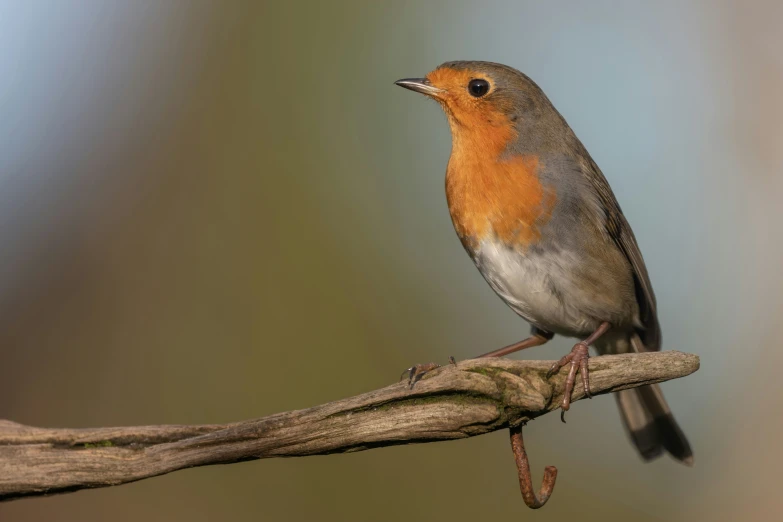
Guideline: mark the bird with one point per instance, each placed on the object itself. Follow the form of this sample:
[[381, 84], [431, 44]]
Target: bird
[[539, 220]]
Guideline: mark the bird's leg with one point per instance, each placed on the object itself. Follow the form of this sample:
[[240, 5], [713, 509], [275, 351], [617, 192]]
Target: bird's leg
[[537, 338], [578, 359], [417, 371]]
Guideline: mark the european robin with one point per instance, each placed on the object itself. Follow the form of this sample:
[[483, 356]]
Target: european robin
[[538, 218]]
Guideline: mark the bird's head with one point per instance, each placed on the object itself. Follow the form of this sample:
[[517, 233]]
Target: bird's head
[[486, 102]]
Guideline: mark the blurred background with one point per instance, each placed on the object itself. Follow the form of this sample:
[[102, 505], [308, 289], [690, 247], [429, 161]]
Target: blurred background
[[213, 211]]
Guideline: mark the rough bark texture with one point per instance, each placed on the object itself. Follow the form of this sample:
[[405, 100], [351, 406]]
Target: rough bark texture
[[472, 398]]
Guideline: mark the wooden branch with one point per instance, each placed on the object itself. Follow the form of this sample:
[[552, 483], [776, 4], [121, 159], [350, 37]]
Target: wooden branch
[[470, 398]]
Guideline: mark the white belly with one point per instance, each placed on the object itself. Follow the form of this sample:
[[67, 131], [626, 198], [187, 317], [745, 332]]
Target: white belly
[[541, 287]]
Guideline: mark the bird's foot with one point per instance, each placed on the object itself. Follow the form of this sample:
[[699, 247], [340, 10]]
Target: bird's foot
[[417, 371], [578, 359]]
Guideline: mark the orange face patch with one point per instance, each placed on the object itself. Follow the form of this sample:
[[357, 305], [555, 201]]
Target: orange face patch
[[489, 194], [461, 108]]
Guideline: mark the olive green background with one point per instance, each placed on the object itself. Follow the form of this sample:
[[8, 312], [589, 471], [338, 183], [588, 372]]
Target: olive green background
[[212, 211]]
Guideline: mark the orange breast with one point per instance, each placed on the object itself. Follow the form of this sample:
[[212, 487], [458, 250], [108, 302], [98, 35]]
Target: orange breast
[[494, 196]]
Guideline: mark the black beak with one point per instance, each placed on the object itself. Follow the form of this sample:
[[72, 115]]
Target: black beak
[[421, 85]]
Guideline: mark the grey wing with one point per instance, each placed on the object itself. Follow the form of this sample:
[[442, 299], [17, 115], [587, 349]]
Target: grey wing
[[620, 231]]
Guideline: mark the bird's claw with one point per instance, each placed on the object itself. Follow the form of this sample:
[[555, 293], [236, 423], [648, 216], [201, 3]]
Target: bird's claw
[[577, 358], [417, 371]]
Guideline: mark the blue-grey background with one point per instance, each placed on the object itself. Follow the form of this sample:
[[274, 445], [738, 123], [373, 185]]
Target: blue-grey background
[[212, 211]]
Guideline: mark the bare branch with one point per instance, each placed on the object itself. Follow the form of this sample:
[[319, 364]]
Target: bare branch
[[474, 397]]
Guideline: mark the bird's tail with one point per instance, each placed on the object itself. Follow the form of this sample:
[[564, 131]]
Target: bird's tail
[[646, 416]]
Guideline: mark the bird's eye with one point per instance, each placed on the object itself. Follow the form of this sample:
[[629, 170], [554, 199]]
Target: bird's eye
[[478, 88]]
